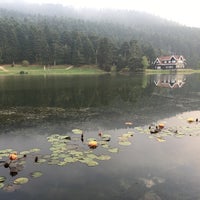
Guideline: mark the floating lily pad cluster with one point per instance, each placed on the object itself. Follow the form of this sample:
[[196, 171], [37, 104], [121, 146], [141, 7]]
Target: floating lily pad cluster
[[11, 186], [124, 139], [178, 127], [17, 165], [66, 149]]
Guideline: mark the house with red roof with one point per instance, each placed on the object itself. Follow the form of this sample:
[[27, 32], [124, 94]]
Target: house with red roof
[[170, 62]]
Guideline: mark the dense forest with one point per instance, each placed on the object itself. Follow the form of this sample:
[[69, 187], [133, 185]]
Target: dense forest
[[130, 40]]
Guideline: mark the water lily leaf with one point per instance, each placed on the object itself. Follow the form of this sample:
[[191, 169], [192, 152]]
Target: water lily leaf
[[63, 163], [92, 156], [77, 131], [105, 145], [5, 151], [1, 185], [92, 163], [34, 150], [20, 181], [70, 159], [124, 143], [113, 150], [53, 162], [103, 157], [151, 137], [127, 135], [24, 152], [41, 160], [160, 139], [64, 137], [106, 137], [2, 179], [139, 129], [36, 174]]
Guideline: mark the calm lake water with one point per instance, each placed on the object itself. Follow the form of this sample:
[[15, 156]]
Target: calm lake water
[[158, 166]]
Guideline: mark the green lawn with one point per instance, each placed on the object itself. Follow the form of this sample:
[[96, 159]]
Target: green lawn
[[54, 70]]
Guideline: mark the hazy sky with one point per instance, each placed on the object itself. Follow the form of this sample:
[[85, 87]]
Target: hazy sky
[[186, 12]]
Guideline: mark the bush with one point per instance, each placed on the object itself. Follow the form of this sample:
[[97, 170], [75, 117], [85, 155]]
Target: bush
[[25, 63]]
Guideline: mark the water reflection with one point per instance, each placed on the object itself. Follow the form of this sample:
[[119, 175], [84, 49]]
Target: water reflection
[[170, 80], [163, 165], [103, 101]]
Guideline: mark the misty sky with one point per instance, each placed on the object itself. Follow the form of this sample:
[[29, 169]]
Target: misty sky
[[185, 12]]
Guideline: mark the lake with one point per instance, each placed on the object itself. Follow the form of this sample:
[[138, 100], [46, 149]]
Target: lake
[[50, 120]]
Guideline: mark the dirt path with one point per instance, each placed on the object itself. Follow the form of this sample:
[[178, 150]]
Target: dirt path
[[3, 69], [70, 67]]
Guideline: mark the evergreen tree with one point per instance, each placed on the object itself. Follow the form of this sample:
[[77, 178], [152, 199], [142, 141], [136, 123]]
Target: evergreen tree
[[104, 54]]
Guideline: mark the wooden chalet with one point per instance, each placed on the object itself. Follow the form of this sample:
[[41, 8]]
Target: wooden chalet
[[169, 62]]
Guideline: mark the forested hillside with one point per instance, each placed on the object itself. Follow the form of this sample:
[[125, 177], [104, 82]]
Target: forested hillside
[[65, 36]]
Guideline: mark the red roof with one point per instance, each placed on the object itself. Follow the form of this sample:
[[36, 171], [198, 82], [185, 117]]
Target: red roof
[[168, 58]]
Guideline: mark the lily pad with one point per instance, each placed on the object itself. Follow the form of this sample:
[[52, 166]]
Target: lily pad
[[41, 160], [20, 181], [160, 139], [34, 150], [2, 179], [113, 150], [103, 157], [106, 137], [24, 152], [125, 143], [69, 159], [92, 163], [36, 174], [127, 135], [77, 131], [1, 185]]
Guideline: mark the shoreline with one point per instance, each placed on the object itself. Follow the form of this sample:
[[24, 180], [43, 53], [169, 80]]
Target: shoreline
[[7, 70]]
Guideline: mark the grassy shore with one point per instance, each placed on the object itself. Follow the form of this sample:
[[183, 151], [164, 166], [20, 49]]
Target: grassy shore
[[71, 70], [53, 70]]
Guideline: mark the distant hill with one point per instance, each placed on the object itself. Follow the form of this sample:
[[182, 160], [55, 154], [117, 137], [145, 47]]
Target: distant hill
[[166, 37]]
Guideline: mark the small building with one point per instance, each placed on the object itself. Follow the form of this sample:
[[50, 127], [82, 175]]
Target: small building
[[170, 62]]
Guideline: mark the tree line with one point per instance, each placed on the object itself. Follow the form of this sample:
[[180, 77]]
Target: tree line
[[50, 41], [124, 39]]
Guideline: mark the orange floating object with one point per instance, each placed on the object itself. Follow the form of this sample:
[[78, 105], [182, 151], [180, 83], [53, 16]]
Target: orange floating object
[[93, 144], [161, 125], [13, 156]]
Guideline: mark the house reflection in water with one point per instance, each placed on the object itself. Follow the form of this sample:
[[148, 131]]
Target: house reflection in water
[[170, 80]]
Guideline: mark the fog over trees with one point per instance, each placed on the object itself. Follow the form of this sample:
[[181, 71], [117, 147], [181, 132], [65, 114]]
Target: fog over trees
[[54, 34]]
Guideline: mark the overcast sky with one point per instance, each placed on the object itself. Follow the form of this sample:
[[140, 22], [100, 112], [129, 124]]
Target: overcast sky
[[185, 12]]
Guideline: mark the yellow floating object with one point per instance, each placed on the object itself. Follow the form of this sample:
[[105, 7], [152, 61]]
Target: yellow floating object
[[93, 144], [13, 156], [190, 120]]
